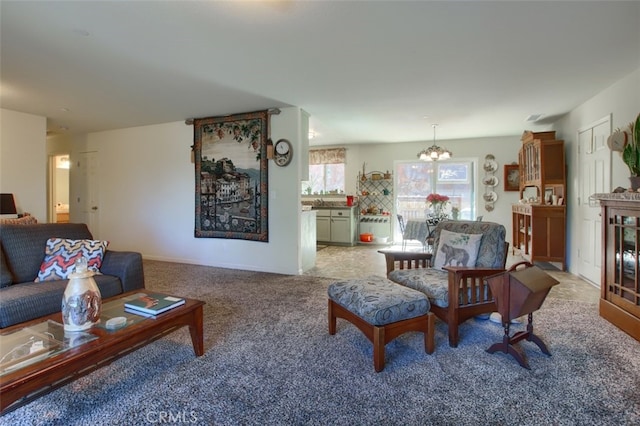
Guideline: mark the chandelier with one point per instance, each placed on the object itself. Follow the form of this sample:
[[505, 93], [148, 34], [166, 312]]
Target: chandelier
[[434, 152]]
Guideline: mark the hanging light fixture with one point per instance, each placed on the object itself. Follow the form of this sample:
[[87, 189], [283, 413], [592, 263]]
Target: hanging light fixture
[[434, 152]]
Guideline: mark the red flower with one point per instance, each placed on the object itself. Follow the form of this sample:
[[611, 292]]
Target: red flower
[[437, 198]]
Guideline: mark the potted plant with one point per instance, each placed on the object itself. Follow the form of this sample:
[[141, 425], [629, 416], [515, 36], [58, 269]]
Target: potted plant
[[631, 154]]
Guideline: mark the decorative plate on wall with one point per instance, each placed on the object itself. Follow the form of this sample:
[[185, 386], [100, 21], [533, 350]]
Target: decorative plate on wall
[[490, 181], [490, 166], [490, 196]]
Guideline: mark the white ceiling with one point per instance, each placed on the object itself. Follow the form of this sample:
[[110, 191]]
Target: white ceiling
[[365, 71]]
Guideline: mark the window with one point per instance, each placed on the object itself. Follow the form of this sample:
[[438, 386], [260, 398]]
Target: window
[[326, 172], [415, 180]]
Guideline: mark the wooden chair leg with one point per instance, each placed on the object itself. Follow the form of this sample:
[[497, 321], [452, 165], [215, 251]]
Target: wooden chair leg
[[332, 318], [429, 338], [378, 348], [453, 334]]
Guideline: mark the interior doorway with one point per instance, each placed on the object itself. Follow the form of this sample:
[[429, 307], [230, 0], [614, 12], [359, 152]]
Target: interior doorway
[[59, 188]]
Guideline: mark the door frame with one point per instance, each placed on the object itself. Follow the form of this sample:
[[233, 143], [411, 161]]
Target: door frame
[[52, 182]]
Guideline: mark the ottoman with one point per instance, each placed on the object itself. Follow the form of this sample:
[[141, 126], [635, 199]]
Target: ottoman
[[382, 310]]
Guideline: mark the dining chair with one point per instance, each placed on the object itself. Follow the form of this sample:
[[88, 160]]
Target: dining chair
[[402, 228]]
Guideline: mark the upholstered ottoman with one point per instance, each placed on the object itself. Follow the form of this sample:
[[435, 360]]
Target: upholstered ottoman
[[382, 310]]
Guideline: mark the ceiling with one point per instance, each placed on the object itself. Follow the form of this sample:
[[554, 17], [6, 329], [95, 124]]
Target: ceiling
[[366, 71]]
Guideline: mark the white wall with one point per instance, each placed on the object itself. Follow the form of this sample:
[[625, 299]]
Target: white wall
[[23, 161], [146, 198], [622, 101]]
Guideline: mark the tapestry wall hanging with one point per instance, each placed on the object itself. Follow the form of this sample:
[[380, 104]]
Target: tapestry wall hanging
[[231, 176]]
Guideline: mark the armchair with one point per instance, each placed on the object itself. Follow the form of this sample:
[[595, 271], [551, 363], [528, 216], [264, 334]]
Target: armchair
[[456, 293]]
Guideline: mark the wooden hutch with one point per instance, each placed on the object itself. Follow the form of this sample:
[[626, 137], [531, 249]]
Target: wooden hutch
[[620, 279], [539, 223]]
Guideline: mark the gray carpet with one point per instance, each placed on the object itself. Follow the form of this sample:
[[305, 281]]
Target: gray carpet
[[270, 360]]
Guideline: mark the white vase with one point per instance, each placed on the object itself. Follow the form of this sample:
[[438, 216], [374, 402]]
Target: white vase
[[81, 302]]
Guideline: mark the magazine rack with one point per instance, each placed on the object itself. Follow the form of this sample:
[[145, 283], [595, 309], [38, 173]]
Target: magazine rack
[[519, 292]]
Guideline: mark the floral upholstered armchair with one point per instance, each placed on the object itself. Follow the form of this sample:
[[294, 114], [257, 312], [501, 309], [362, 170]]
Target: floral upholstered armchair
[[452, 277]]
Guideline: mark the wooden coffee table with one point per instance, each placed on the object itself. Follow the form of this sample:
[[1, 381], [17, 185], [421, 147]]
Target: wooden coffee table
[[22, 385]]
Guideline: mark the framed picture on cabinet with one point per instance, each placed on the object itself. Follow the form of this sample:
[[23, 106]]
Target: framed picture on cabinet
[[511, 177], [548, 196]]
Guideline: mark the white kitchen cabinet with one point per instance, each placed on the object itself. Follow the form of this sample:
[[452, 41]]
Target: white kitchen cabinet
[[323, 225], [336, 226]]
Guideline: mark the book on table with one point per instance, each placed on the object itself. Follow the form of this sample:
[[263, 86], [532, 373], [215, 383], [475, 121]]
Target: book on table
[[140, 313], [153, 303]]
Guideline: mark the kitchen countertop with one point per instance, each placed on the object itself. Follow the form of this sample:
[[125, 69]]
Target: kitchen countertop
[[336, 207]]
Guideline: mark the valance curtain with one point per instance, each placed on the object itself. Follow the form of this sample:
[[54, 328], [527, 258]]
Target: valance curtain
[[327, 156]]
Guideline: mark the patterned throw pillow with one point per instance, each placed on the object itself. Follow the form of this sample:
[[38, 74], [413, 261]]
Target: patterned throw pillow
[[455, 249], [61, 254]]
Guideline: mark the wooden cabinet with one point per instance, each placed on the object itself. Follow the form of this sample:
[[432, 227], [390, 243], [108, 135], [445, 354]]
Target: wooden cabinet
[[542, 165], [620, 285], [539, 232], [539, 226]]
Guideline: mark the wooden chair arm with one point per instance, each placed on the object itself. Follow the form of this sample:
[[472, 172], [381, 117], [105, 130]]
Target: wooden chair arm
[[406, 259], [467, 285]]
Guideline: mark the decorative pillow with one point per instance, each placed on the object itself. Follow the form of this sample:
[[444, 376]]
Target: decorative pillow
[[455, 249], [61, 254]]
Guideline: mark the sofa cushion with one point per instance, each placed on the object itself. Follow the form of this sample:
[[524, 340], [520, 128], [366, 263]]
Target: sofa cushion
[[434, 283], [457, 249], [377, 300], [61, 255], [24, 245], [29, 300]]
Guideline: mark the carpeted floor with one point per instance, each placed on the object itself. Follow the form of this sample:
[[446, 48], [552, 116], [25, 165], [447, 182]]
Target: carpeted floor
[[270, 360]]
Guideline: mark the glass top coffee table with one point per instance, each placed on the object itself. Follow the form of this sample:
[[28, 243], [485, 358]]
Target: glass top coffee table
[[38, 356]]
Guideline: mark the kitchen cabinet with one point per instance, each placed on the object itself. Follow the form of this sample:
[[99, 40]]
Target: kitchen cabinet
[[336, 226], [323, 225], [620, 285]]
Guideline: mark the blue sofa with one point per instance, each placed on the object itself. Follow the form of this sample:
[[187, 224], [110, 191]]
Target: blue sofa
[[22, 252]]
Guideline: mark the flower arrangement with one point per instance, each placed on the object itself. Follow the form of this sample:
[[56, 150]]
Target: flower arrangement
[[438, 203], [437, 200]]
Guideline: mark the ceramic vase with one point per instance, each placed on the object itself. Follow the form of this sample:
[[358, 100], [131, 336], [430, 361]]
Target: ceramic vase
[[81, 302]]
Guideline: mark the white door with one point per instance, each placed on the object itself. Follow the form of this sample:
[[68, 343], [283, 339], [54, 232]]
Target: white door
[[87, 201], [595, 177]]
